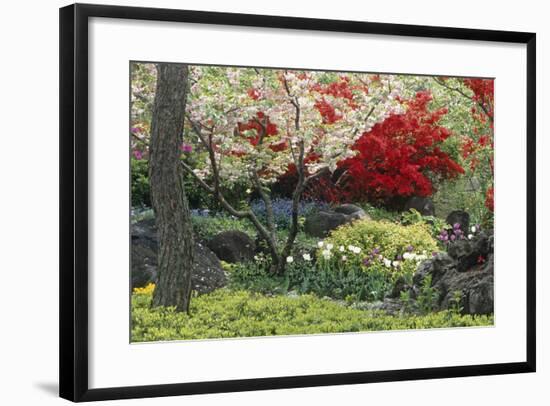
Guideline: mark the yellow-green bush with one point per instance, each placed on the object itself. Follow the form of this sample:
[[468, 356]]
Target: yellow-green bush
[[377, 246], [224, 313], [364, 259]]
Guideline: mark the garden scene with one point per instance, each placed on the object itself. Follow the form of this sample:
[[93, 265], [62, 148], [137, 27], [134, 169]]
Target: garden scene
[[282, 202]]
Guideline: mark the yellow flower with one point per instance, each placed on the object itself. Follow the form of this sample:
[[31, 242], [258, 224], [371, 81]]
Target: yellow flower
[[146, 290]]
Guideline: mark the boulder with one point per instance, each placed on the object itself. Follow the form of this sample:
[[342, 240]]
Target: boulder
[[468, 267], [232, 246], [352, 210], [392, 306], [459, 217], [321, 223], [424, 205], [208, 273], [467, 252]]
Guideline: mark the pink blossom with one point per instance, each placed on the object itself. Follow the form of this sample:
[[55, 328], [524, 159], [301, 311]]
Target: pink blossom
[[186, 148]]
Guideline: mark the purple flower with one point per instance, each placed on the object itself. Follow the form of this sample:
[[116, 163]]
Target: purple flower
[[456, 226], [434, 254], [444, 237], [366, 262], [410, 248], [137, 154], [186, 148], [453, 237], [135, 130], [399, 257], [376, 251]]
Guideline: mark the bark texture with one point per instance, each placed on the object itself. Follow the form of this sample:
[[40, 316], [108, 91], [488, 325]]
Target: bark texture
[[173, 219]]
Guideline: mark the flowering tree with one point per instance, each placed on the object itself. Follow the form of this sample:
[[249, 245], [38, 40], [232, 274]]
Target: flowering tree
[[254, 124]]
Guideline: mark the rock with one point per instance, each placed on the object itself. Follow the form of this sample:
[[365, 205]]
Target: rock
[[320, 223], [460, 217], [462, 270], [208, 273], [232, 246], [390, 306], [466, 252], [424, 205], [352, 210], [437, 266]]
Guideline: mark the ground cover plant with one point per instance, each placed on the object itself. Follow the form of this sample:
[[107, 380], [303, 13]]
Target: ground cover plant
[[231, 314], [276, 201]]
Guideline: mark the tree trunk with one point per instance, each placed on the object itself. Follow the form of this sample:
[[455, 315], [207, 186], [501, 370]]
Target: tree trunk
[[173, 219]]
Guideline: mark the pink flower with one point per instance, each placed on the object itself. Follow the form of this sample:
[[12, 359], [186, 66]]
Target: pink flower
[[186, 148], [137, 154]]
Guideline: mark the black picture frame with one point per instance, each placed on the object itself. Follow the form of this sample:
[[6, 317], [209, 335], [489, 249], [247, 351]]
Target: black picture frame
[[74, 195]]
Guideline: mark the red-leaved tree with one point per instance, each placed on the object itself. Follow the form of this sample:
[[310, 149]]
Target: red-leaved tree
[[399, 157], [396, 158]]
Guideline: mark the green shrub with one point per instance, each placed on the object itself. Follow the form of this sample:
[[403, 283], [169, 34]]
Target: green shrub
[[427, 298], [380, 213], [255, 276], [141, 196], [351, 285], [382, 249], [207, 226], [433, 224], [223, 313]]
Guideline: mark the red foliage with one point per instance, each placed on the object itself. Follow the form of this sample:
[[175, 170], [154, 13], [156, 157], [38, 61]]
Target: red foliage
[[336, 89], [490, 199], [253, 94], [484, 90], [257, 125], [329, 114], [394, 158]]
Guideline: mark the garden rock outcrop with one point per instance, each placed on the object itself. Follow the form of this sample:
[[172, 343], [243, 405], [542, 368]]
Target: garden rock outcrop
[[321, 223], [423, 205], [459, 217], [468, 268], [208, 273], [351, 210], [232, 246]]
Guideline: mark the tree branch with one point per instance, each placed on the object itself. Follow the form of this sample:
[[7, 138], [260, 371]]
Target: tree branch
[[459, 91]]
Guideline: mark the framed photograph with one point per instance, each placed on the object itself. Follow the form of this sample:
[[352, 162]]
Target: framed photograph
[[256, 202]]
